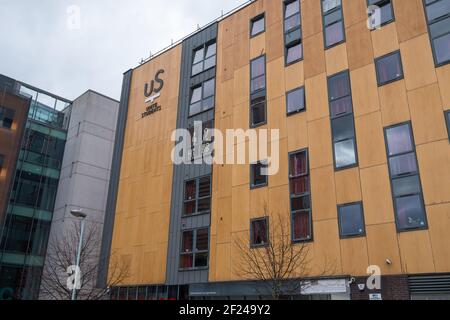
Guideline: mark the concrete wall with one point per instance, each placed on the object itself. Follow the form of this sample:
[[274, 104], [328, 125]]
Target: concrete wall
[[86, 165]]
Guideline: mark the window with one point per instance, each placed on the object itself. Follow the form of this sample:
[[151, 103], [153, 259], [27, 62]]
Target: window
[[194, 249], [389, 68], [258, 91], [292, 31], [257, 25], [2, 159], [258, 177], [438, 18], [333, 22], [197, 196], [295, 100], [204, 58], [259, 232], [447, 120], [205, 132], [405, 179], [6, 117], [383, 16], [342, 121], [300, 196], [202, 97], [351, 220]]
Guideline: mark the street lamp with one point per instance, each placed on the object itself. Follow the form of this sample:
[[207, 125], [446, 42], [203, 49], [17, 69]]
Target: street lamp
[[82, 215]]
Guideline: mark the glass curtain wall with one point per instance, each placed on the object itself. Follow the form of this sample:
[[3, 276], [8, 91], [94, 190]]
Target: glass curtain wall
[[25, 233]]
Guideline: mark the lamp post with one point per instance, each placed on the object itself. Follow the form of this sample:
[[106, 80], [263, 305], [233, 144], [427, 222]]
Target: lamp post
[[82, 215]]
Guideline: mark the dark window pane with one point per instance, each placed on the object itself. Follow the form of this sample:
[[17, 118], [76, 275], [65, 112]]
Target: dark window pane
[[210, 62], [442, 48], [190, 190], [300, 203], [258, 67], [389, 68], [202, 239], [294, 53], [447, 119], [343, 128], [293, 36], [329, 5], [258, 114], [198, 55], [211, 50], [333, 17], [298, 164], [399, 140], [339, 86], [351, 220], [189, 207], [341, 106], [205, 187], [186, 261], [196, 95], [204, 205], [292, 22], [208, 103], [301, 225], [259, 232], [258, 84], [403, 164], [195, 108], [406, 186], [208, 88], [201, 260], [197, 68], [438, 9], [387, 13], [296, 100], [334, 34], [410, 212], [299, 185], [188, 242], [292, 8], [258, 26], [257, 174], [345, 153], [440, 28]]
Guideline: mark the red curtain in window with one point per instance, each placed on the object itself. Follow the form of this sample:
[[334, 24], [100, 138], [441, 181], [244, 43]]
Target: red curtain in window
[[298, 164], [301, 225], [300, 185]]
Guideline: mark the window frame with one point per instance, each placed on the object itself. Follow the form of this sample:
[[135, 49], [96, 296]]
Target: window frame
[[205, 47], [288, 114], [4, 112], [377, 60], [447, 121], [252, 244], [260, 91], [202, 98], [252, 175], [344, 39], [392, 178], [350, 236], [333, 118], [289, 45], [197, 197], [433, 49], [255, 19], [194, 251], [291, 196], [392, 10]]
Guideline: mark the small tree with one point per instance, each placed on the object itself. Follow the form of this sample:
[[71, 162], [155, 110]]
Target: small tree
[[61, 254], [281, 265]]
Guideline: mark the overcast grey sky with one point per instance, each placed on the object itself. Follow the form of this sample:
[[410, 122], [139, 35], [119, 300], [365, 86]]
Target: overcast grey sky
[[41, 45]]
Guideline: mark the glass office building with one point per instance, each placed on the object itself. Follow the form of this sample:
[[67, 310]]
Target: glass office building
[[26, 228]]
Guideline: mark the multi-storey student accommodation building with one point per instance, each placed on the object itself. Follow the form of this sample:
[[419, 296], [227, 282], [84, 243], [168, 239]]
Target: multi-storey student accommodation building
[[363, 117]]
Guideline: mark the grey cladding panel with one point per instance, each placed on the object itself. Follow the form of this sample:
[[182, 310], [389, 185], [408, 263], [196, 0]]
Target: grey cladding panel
[[186, 172]]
